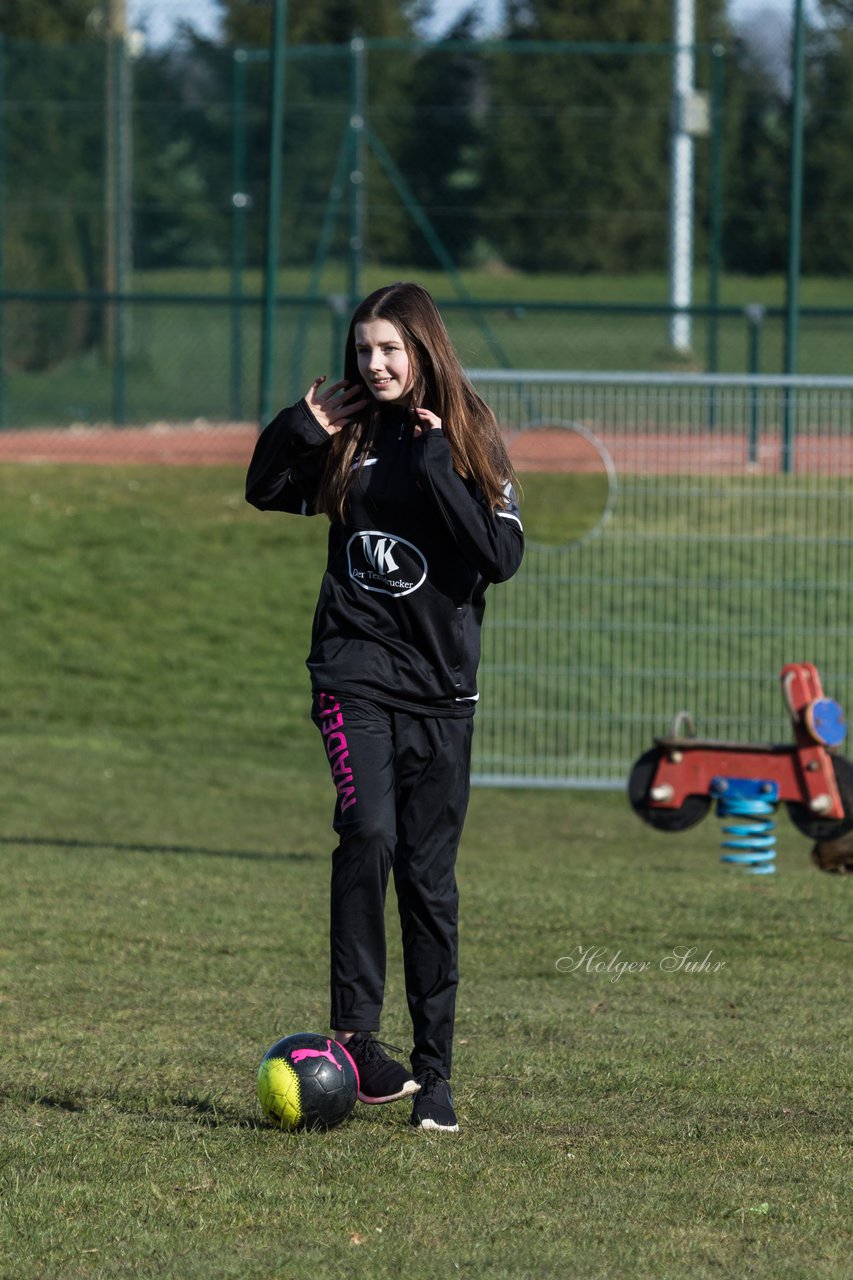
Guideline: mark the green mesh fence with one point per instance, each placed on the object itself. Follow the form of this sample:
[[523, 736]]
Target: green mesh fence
[[509, 178], [688, 537]]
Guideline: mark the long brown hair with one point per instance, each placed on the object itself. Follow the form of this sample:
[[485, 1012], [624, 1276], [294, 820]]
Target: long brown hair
[[439, 384]]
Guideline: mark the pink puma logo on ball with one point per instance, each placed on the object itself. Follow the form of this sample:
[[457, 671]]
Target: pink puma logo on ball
[[298, 1054]]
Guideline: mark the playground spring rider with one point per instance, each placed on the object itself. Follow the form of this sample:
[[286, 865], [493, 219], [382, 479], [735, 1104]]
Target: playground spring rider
[[671, 787]]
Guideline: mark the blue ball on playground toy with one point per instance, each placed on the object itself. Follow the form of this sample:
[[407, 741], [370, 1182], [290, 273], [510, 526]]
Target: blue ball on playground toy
[[825, 722]]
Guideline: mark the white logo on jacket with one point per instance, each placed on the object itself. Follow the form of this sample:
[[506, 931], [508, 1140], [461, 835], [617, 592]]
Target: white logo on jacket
[[379, 553], [382, 562]]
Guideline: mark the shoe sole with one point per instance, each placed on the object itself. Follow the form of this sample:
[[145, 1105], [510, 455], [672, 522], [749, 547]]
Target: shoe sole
[[439, 1128], [410, 1087]]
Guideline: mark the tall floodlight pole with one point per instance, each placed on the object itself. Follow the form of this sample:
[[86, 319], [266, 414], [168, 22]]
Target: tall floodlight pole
[[681, 176], [273, 206]]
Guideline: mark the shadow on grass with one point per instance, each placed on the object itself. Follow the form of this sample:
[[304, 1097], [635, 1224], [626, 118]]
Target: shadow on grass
[[210, 1114], [52, 1101], [134, 846], [202, 1111], [199, 1110], [206, 1111]]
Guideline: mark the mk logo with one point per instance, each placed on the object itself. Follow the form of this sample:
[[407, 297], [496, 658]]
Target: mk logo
[[383, 562], [378, 553]]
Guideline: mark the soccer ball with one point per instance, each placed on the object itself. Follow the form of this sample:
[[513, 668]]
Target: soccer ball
[[306, 1081]]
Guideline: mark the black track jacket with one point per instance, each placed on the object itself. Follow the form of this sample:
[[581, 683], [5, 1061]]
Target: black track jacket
[[402, 599]]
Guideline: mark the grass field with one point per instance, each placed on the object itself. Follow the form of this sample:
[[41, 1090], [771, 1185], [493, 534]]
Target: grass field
[[185, 361], [164, 840]]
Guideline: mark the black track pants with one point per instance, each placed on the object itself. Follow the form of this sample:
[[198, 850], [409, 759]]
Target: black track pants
[[402, 783]]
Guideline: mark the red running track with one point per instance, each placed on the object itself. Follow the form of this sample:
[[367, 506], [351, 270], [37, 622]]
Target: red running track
[[542, 449]]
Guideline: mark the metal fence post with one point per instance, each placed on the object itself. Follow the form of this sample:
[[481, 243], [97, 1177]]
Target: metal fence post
[[755, 319], [119, 71], [715, 247], [2, 231], [279, 36], [358, 173], [239, 205], [795, 231]]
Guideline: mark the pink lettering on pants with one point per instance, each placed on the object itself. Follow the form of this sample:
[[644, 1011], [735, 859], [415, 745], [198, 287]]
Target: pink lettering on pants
[[337, 752]]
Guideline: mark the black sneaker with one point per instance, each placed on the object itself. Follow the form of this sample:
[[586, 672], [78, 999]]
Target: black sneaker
[[380, 1078], [433, 1107]]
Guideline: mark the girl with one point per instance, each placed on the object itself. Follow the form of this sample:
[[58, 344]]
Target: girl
[[408, 464]]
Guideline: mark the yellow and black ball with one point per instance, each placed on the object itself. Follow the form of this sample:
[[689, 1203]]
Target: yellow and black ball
[[307, 1081]]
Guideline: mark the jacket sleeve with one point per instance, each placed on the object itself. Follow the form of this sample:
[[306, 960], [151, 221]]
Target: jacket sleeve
[[490, 540], [287, 465]]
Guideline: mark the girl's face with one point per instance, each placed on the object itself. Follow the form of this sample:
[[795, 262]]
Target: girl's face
[[383, 361]]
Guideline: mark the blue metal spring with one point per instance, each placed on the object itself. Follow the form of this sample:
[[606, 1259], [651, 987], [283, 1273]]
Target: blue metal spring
[[754, 804]]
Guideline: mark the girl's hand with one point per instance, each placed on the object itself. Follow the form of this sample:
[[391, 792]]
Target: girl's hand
[[335, 406], [427, 422]]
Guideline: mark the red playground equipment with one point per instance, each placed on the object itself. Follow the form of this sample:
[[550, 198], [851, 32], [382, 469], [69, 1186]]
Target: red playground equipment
[[672, 786]]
